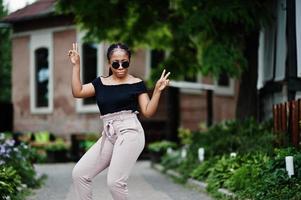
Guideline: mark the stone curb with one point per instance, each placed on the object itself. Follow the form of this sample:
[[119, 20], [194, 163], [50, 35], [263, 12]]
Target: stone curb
[[173, 174], [192, 182], [158, 167], [198, 184], [226, 192]]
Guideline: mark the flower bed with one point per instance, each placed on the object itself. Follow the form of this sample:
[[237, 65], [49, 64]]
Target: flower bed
[[245, 177], [17, 173], [254, 171]]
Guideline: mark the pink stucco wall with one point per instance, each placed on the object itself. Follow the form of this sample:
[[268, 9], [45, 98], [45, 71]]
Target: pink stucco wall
[[194, 108]]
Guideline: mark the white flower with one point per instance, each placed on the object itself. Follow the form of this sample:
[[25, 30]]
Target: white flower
[[10, 142], [2, 149], [2, 136], [169, 151], [233, 154]]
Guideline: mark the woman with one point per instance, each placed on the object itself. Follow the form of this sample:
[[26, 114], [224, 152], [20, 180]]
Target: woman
[[122, 141]]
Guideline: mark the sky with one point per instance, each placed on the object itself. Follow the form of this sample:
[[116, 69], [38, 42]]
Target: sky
[[14, 5]]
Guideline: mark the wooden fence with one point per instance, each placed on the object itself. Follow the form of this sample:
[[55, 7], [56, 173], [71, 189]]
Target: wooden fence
[[286, 118]]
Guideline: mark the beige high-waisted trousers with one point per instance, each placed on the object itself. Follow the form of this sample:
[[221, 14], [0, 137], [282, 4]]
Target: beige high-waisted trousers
[[119, 147]]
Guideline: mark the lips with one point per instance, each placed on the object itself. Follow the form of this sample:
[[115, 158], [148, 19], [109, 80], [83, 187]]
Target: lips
[[120, 71]]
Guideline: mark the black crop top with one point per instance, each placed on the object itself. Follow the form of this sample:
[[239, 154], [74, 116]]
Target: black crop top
[[115, 98]]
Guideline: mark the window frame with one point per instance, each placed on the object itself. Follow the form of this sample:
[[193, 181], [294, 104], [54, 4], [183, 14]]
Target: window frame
[[224, 90], [41, 39], [80, 106]]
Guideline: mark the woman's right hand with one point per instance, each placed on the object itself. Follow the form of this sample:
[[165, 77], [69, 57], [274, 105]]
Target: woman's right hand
[[74, 55]]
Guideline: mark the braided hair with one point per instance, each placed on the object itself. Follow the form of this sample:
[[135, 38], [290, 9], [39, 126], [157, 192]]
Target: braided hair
[[115, 46]]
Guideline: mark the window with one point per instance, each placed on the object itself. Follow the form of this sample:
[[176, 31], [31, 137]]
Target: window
[[89, 67], [193, 78], [157, 56], [224, 85], [41, 72], [92, 58], [223, 80], [41, 77], [153, 59]]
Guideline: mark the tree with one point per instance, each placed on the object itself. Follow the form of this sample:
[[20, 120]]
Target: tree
[[5, 59], [211, 36]]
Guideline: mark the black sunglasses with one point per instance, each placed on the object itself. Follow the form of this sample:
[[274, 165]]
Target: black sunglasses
[[124, 64]]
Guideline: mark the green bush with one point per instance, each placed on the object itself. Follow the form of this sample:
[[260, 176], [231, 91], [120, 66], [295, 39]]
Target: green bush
[[248, 173], [171, 161], [202, 171], [42, 136], [242, 137], [58, 145], [161, 146], [256, 172], [253, 176], [90, 140], [187, 164], [223, 169], [184, 135], [158, 149], [10, 181], [273, 181], [19, 158]]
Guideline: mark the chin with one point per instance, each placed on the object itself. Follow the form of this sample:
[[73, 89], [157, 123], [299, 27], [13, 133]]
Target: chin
[[121, 74]]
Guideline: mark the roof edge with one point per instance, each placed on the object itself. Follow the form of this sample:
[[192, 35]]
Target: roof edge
[[38, 9], [23, 19]]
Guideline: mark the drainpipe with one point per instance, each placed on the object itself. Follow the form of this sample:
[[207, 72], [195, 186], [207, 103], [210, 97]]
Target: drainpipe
[[291, 65]]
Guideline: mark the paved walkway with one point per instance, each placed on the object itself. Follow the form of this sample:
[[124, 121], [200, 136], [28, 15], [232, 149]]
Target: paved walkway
[[144, 183]]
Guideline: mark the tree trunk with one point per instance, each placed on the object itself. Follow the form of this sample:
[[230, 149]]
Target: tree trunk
[[248, 98]]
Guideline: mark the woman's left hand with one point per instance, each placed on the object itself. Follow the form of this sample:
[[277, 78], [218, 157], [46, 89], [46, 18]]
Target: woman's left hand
[[163, 81]]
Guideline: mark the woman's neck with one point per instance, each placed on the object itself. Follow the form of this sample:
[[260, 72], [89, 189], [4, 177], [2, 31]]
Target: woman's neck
[[119, 79]]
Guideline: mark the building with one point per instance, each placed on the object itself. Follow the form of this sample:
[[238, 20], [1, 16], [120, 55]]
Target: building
[[41, 78], [280, 57]]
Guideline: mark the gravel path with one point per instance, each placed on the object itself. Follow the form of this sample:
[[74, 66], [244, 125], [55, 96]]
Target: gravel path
[[144, 183]]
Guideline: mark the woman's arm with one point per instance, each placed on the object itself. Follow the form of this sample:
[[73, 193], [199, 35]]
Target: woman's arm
[[78, 90], [148, 106]]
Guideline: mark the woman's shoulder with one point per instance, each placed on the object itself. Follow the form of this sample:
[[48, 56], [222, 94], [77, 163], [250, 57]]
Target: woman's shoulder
[[135, 79], [104, 79]]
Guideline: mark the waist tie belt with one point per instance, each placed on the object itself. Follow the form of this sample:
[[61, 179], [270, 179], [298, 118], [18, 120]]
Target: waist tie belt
[[108, 132], [108, 129]]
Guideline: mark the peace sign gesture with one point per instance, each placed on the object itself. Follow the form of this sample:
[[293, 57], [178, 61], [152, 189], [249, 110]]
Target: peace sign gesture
[[74, 55], [163, 81]]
